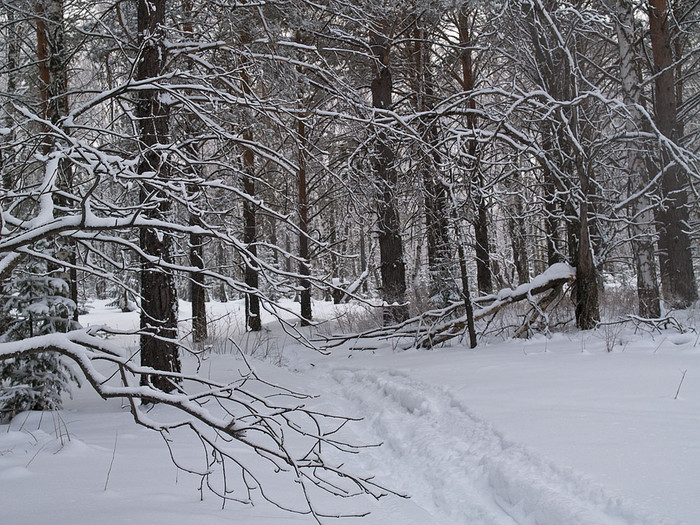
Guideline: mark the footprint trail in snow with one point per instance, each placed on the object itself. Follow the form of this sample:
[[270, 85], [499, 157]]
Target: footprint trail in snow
[[461, 470]]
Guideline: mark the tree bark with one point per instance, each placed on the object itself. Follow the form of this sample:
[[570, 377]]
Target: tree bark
[[159, 306], [466, 294], [516, 230], [677, 277]]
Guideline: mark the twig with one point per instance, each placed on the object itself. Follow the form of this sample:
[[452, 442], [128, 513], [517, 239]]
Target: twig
[[679, 384], [114, 453]]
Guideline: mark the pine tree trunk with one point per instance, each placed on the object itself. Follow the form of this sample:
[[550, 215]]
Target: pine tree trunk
[[392, 264], [677, 277], [159, 305]]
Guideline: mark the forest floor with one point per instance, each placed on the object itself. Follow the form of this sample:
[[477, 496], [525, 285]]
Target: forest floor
[[576, 428]]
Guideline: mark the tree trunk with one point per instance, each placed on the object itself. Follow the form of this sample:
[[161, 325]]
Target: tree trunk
[[250, 228], [586, 285], [159, 304], [677, 276], [641, 222], [551, 219], [221, 264], [481, 233], [303, 208], [516, 230], [13, 60], [363, 257], [441, 284], [252, 301], [392, 264], [481, 237], [466, 294], [198, 292]]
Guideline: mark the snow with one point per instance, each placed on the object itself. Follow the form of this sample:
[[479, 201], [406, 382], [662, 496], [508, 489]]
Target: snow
[[543, 431], [555, 272]]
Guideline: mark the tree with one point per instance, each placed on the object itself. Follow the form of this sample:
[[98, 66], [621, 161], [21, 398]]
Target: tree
[[392, 264], [34, 304], [466, 20], [641, 221], [43, 298], [198, 291], [435, 193]]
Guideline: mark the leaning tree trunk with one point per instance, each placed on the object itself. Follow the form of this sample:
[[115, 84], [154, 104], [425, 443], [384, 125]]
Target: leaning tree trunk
[[158, 292], [675, 257], [392, 264]]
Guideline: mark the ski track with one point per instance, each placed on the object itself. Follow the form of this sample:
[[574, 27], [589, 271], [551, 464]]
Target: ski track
[[460, 469]]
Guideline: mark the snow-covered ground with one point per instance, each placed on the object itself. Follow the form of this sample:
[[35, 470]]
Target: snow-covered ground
[[543, 431]]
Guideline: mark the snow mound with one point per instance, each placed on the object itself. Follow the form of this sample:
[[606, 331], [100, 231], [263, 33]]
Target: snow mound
[[461, 470]]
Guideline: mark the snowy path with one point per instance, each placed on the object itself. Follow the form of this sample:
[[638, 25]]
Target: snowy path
[[460, 470]]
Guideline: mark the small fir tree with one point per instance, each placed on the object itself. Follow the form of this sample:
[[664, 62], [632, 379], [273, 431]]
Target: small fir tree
[[32, 305]]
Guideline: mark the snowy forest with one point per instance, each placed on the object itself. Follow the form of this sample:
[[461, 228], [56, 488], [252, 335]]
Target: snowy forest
[[447, 174]]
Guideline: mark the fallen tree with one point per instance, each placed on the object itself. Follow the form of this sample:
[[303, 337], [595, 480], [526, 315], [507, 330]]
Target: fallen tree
[[437, 326]]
